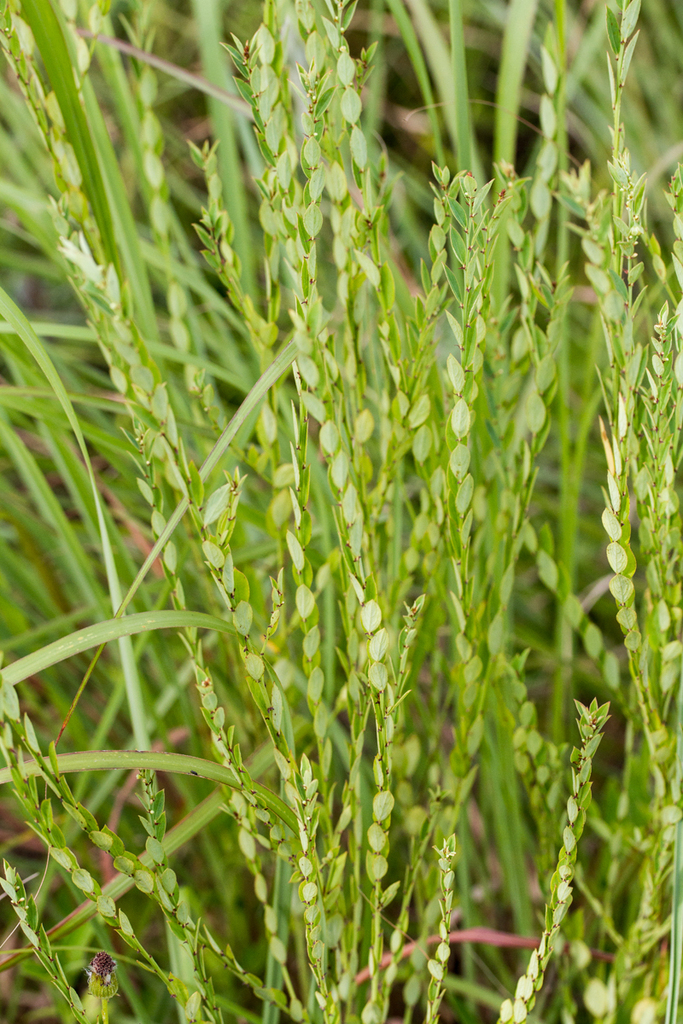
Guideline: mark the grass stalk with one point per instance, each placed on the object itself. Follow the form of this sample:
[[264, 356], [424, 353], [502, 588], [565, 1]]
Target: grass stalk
[[462, 99], [397, 8], [676, 950], [519, 24], [403, 536]]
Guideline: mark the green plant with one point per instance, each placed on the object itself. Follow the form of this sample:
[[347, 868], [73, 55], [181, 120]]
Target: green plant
[[357, 652]]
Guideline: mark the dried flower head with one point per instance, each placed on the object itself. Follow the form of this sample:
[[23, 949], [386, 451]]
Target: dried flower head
[[102, 980]]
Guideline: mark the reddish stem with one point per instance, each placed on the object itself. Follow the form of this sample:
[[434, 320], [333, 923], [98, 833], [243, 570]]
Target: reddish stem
[[486, 936]]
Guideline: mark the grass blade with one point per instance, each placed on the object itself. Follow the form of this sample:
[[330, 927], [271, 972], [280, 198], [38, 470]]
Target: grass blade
[[15, 317], [676, 954], [459, 71], [156, 761], [104, 632], [412, 46], [436, 50], [520, 22], [186, 829], [125, 229], [53, 49]]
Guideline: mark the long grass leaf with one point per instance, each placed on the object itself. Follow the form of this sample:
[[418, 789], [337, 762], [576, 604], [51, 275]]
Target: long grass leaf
[[518, 28], [676, 954], [124, 222], [102, 632], [186, 829], [412, 46], [68, 550], [156, 761], [15, 317], [53, 49], [462, 98], [198, 818]]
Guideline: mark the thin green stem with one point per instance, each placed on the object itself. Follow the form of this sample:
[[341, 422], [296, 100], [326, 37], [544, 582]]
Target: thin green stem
[[676, 954], [564, 637], [175, 71], [520, 20]]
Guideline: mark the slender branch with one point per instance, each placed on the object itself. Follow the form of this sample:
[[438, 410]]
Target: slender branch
[[484, 936], [174, 70]]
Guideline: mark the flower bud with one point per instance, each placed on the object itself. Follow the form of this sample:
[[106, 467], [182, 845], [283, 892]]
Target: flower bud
[[102, 980]]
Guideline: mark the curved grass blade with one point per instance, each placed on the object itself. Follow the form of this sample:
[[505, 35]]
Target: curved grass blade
[[102, 632], [157, 761], [21, 326], [13, 315], [281, 363], [67, 547], [436, 51], [176, 837], [124, 221], [520, 22]]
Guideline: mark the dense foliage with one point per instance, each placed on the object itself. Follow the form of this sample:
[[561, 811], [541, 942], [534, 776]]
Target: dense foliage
[[340, 416]]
